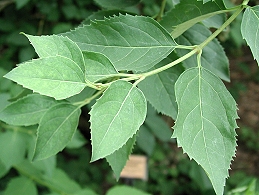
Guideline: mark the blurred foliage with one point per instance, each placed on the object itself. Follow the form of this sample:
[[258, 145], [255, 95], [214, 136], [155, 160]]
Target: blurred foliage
[[170, 171]]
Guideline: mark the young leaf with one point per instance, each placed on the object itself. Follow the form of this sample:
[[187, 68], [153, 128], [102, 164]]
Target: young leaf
[[194, 12], [116, 4], [205, 125], [213, 55], [56, 129], [97, 66], [249, 29], [159, 88], [21, 186], [116, 117], [118, 159], [55, 76], [130, 42], [54, 45], [27, 111]]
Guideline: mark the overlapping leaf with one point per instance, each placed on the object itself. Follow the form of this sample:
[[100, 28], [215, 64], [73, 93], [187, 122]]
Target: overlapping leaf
[[116, 117], [59, 72], [56, 129], [130, 42], [146, 140], [97, 66], [205, 125], [213, 55], [177, 22], [27, 111], [54, 45], [55, 76], [159, 127], [249, 29], [118, 159], [159, 88]]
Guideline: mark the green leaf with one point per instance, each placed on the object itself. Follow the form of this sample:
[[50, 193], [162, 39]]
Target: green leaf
[[205, 125], [118, 159], [12, 148], [85, 192], [97, 66], [146, 140], [27, 111], [4, 97], [125, 190], [77, 141], [130, 42], [159, 88], [205, 1], [159, 127], [47, 46], [56, 129], [56, 76], [3, 169], [5, 83], [21, 3], [46, 166], [27, 168], [249, 29], [116, 4], [85, 93], [252, 187], [215, 21], [100, 15], [213, 55], [21, 186], [61, 181], [198, 175], [116, 117], [58, 181], [194, 12]]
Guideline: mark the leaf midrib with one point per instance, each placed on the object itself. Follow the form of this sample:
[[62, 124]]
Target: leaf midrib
[[122, 104]]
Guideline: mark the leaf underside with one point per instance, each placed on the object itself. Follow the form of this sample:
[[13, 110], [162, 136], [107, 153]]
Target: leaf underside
[[213, 55], [55, 76], [118, 159], [56, 129], [249, 30], [130, 42], [205, 125], [97, 66], [116, 117], [194, 12], [47, 46], [27, 111], [159, 88]]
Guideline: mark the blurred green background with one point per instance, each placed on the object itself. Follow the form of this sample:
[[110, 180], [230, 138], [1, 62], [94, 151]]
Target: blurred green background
[[170, 171]]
